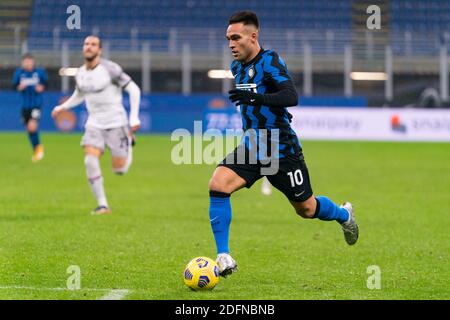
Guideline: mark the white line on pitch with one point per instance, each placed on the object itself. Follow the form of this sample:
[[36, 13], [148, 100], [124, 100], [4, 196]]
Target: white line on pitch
[[52, 289], [115, 295]]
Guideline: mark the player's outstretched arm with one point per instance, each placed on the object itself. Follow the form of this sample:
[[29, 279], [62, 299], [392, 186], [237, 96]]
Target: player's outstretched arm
[[286, 96], [135, 101], [76, 98]]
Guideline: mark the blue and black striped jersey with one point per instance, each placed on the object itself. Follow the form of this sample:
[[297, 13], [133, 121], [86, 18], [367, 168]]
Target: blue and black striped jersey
[[30, 98], [267, 74]]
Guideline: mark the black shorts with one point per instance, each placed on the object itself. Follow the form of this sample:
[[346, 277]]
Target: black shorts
[[291, 178], [28, 114]]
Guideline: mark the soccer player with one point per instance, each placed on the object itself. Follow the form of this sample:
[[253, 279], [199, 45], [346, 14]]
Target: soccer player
[[100, 83], [31, 82], [264, 107]]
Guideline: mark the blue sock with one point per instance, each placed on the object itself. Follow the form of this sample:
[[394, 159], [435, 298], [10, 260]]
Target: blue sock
[[34, 138], [220, 218], [327, 210]]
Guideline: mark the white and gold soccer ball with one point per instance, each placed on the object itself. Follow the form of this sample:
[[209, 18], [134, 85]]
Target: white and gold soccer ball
[[201, 273]]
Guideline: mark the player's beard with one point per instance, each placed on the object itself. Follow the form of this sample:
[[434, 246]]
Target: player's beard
[[92, 58]]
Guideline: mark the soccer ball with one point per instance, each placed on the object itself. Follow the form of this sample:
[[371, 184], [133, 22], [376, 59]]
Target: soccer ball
[[201, 273]]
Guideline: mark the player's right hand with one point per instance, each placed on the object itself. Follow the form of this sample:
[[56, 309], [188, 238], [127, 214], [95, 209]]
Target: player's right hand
[[22, 86], [244, 97]]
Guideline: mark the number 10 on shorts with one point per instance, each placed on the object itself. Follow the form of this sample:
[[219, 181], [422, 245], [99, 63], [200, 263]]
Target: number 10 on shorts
[[296, 178]]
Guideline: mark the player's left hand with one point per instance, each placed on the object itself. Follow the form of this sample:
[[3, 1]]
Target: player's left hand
[[244, 97], [134, 129], [56, 111]]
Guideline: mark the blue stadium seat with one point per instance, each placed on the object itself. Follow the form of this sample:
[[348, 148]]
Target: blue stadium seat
[[154, 18]]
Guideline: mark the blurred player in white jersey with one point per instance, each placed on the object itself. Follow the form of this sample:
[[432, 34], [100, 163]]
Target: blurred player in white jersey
[[266, 187], [100, 83]]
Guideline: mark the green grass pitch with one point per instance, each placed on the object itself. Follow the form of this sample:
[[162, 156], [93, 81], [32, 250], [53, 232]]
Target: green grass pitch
[[400, 192]]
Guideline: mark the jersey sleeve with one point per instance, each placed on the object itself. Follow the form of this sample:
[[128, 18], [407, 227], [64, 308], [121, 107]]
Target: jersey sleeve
[[275, 69], [118, 77], [43, 77], [16, 79]]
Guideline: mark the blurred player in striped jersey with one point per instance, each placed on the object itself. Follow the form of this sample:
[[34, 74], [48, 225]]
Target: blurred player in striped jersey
[[100, 83], [31, 82]]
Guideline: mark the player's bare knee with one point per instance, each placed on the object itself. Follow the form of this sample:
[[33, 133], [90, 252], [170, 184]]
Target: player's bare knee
[[307, 208], [305, 211], [32, 127], [215, 185], [219, 185], [120, 166]]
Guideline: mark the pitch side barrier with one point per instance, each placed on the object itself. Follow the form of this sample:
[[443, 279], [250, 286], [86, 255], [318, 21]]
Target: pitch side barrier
[[372, 124], [165, 113]]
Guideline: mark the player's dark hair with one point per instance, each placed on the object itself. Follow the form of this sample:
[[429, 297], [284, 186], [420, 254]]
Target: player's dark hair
[[246, 17], [27, 56]]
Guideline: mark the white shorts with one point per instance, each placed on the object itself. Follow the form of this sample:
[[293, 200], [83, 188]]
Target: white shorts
[[117, 140]]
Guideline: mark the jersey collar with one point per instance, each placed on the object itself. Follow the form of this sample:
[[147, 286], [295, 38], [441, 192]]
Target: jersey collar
[[254, 59], [94, 66]]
